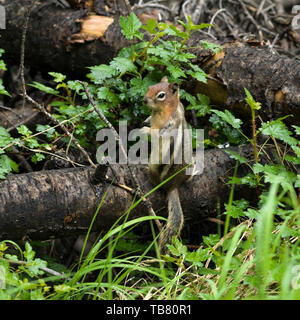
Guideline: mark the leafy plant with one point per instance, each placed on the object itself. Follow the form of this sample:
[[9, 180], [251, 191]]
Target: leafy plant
[[2, 67]]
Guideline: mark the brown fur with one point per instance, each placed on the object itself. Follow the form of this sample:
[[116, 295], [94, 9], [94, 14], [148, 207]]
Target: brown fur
[[166, 115]]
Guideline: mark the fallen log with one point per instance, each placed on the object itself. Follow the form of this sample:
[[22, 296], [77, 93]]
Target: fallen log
[[62, 202], [68, 41]]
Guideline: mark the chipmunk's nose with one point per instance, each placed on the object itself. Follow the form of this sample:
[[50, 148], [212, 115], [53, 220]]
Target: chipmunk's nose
[[145, 99]]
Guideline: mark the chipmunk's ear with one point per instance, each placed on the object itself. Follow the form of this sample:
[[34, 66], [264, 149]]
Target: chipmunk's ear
[[174, 87], [164, 79]]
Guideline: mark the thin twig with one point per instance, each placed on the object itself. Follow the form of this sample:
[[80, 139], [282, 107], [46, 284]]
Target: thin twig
[[152, 5], [45, 269], [252, 19], [36, 104]]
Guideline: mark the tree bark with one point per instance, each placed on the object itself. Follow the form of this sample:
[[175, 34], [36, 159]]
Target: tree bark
[[62, 202]]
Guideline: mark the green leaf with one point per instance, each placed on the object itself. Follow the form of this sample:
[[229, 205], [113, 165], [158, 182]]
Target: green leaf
[[229, 118], [139, 86], [174, 31], [188, 97], [44, 88], [297, 129], [104, 93], [211, 46], [32, 143], [28, 253], [252, 213], [296, 150], [237, 208], [201, 26], [249, 179], [177, 248], [102, 72], [130, 26], [294, 160], [278, 130], [2, 89], [150, 26], [191, 26], [197, 73], [7, 165], [201, 104], [24, 131], [37, 157], [75, 86], [250, 100], [58, 77], [5, 138], [211, 239], [50, 133], [237, 156], [122, 65], [297, 183], [276, 174], [160, 51], [175, 72]]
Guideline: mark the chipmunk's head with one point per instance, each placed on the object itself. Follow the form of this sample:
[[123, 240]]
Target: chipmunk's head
[[162, 95]]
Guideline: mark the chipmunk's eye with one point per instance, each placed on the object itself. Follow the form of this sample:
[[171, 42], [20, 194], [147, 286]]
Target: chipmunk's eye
[[161, 96]]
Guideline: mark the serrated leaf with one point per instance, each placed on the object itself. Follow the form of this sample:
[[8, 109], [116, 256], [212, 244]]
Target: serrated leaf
[[122, 65], [177, 248], [229, 118], [5, 138], [188, 97], [150, 26], [100, 73], [211, 239], [24, 131], [275, 174], [297, 130], [75, 86], [296, 150], [139, 86], [37, 157], [7, 165], [184, 56], [292, 159], [104, 93], [175, 72], [49, 133], [32, 143], [201, 105], [160, 51], [174, 31], [278, 130], [249, 179], [58, 77], [197, 73], [130, 26], [297, 183], [237, 208]]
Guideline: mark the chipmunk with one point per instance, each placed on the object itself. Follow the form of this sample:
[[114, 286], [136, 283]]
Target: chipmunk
[[168, 114]]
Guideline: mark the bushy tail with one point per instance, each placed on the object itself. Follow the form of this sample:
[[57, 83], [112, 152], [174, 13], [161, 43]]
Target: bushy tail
[[175, 220]]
